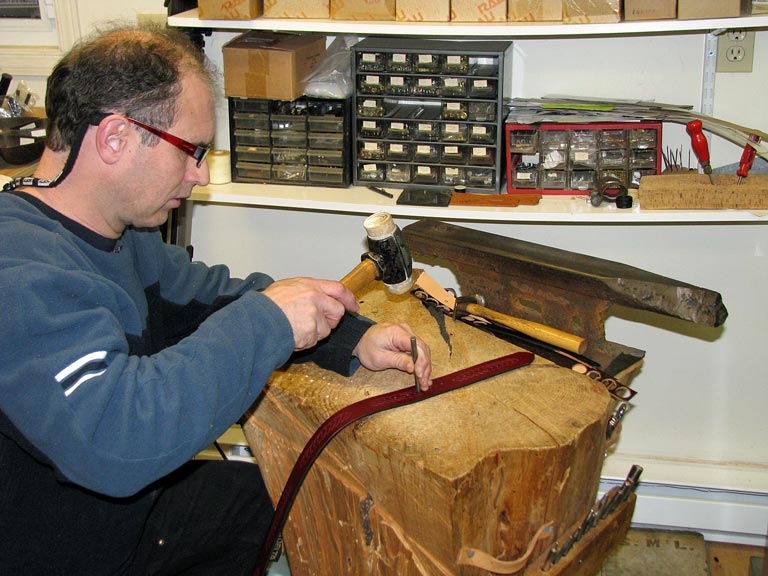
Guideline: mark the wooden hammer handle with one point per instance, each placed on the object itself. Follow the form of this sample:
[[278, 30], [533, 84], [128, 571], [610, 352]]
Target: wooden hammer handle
[[548, 334], [360, 276]]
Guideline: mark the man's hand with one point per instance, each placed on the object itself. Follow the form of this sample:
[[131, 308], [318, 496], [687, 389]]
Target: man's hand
[[389, 346], [313, 307]]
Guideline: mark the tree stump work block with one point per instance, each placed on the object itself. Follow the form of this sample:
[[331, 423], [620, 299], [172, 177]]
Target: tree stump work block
[[401, 492]]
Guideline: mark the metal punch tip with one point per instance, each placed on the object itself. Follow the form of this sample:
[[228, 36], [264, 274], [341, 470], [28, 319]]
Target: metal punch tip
[[415, 356]]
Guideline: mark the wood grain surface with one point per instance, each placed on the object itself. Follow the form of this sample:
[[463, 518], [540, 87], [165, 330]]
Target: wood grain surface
[[402, 491]]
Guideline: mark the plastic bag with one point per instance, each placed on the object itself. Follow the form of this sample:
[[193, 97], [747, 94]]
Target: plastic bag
[[333, 76]]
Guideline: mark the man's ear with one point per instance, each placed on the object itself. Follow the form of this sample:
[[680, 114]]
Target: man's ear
[[112, 135]]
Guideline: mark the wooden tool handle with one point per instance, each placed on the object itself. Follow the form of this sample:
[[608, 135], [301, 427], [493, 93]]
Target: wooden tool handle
[[362, 275], [548, 334]]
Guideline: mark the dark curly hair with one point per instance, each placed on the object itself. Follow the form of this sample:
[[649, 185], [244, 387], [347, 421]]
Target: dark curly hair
[[134, 71]]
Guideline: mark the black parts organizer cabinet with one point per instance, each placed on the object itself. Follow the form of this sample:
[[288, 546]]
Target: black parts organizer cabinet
[[429, 113], [303, 141]]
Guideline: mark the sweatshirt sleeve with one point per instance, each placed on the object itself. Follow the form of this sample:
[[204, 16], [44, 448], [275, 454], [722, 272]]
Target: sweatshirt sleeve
[[111, 421], [335, 352]]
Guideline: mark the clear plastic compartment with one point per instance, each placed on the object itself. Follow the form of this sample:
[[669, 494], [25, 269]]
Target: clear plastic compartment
[[426, 153], [523, 141], [253, 137], [399, 85], [370, 150], [425, 63], [582, 180], [397, 130], [642, 158], [525, 176], [426, 174], [289, 155], [642, 138], [399, 62], [325, 124], [426, 86], [326, 175], [453, 154], [259, 154], [371, 172], [326, 140], [453, 87], [370, 128], [369, 107], [482, 134], [453, 176], [553, 179], [281, 122], [454, 132], [371, 62], [481, 177], [252, 171], [399, 151], [289, 139], [456, 64], [400, 173], [249, 121], [321, 157], [289, 172], [370, 84], [426, 131], [483, 88], [613, 139], [455, 110], [482, 156], [613, 158]]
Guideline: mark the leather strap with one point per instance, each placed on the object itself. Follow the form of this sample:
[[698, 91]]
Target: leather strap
[[480, 559], [349, 414]]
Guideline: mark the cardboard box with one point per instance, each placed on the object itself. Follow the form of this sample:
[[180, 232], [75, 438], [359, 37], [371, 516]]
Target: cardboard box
[[270, 65], [297, 8], [650, 9], [363, 9], [591, 11], [696, 9], [759, 7], [421, 11], [534, 10], [478, 10], [229, 9]]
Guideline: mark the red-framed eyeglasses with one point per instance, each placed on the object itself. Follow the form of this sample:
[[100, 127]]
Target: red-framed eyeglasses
[[195, 150]]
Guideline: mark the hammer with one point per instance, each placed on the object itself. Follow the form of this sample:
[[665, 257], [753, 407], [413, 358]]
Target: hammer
[[388, 258]]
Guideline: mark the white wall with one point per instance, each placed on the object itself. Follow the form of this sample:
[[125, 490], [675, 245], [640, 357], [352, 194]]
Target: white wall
[[699, 419]]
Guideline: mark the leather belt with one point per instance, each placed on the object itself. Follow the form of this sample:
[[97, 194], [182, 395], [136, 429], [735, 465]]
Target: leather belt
[[349, 414]]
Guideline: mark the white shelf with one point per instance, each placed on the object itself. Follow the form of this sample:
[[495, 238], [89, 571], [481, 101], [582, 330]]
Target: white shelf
[[551, 209], [464, 29]]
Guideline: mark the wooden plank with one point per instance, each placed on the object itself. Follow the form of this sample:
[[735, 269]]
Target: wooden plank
[[727, 559], [501, 200], [559, 288], [694, 191]]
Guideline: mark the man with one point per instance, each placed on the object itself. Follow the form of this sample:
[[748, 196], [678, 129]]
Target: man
[[121, 359]]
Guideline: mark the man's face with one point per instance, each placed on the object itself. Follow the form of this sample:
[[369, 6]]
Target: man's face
[[163, 174]]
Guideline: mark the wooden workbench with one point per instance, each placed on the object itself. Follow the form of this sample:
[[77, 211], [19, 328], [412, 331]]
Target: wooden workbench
[[403, 491]]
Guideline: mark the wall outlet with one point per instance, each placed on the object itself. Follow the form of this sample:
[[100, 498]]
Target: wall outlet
[[735, 51]]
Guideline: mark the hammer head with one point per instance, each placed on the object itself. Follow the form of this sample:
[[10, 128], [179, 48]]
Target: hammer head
[[389, 252]]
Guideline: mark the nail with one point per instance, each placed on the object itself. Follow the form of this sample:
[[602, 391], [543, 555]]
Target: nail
[[415, 356]]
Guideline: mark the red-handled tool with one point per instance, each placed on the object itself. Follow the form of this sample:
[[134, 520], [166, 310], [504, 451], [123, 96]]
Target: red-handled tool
[[747, 158], [700, 147]]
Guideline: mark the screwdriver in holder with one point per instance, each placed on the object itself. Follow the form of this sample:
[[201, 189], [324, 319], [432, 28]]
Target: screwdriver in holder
[[700, 147], [747, 158]]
